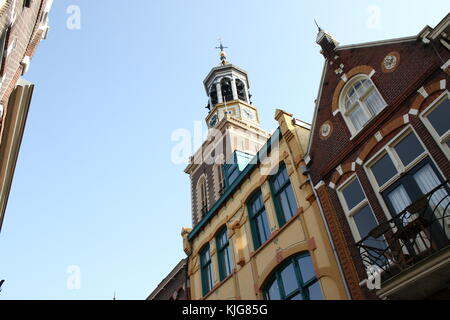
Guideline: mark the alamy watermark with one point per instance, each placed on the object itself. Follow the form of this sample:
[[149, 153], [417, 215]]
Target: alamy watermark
[[74, 279], [73, 21], [373, 277], [374, 19]]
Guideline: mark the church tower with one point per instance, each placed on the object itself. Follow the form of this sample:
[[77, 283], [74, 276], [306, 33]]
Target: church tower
[[234, 136]]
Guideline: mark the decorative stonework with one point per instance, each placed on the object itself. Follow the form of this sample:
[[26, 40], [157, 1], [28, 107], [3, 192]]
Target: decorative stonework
[[326, 130], [390, 62]]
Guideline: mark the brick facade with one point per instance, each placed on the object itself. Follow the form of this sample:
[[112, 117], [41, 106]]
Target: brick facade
[[25, 28], [419, 64], [174, 286]]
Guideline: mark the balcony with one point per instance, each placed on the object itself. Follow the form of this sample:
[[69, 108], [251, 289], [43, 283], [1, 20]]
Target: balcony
[[411, 252]]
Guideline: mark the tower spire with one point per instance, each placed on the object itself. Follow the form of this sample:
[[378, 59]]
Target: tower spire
[[318, 27], [223, 55]]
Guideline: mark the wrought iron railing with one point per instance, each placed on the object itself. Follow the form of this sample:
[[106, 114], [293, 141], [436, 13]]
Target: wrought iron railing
[[417, 232]]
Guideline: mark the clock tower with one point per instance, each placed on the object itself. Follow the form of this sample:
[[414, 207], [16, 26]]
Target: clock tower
[[234, 136]]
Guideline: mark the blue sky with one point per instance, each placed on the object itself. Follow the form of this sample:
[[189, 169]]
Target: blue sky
[[95, 186]]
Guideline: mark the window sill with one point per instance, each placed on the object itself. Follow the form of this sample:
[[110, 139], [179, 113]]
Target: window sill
[[218, 285]]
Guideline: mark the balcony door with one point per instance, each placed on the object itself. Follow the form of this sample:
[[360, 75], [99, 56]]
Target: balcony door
[[412, 192]]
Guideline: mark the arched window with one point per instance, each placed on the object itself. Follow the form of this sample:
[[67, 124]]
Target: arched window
[[213, 94], [225, 87], [224, 253], [295, 279], [240, 88], [360, 101], [220, 179], [203, 201]]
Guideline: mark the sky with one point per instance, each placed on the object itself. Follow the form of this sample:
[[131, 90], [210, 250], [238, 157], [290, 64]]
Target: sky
[[97, 202]]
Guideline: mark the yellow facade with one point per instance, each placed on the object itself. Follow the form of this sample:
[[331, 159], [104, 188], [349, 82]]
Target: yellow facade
[[304, 232]]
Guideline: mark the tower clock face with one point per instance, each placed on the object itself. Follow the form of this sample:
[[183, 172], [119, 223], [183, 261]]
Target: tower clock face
[[248, 114], [213, 121]]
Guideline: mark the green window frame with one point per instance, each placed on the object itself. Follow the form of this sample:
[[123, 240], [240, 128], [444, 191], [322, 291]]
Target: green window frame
[[283, 195], [258, 220], [295, 279], [206, 269], [232, 172], [224, 254]]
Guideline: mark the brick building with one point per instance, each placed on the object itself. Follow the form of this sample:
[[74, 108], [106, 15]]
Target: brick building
[[378, 158], [173, 287], [23, 24]]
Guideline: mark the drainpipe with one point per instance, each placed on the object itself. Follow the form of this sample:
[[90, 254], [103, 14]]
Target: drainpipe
[[347, 291]]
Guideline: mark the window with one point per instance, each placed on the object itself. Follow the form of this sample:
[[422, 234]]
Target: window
[[203, 197], [240, 88], [360, 101], [294, 280], [235, 165], [283, 195], [396, 158], [227, 92], [232, 173], [224, 254], [3, 40], [359, 213], [436, 119], [213, 94], [258, 220], [413, 175], [206, 270], [221, 179]]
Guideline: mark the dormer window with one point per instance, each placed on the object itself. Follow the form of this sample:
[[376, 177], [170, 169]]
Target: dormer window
[[360, 102], [227, 92]]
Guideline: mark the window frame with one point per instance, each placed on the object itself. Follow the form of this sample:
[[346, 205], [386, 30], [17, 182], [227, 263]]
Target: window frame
[[345, 113], [350, 213], [206, 287], [203, 193], [223, 82], [243, 98], [256, 236], [302, 285], [394, 141], [229, 170], [389, 148], [213, 95], [440, 140], [221, 179], [220, 249], [276, 193]]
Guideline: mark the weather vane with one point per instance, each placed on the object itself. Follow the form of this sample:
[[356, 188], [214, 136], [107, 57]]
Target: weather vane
[[223, 56]]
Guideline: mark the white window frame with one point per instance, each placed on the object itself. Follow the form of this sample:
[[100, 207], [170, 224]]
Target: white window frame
[[349, 214], [354, 132], [441, 140], [389, 148], [397, 163]]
